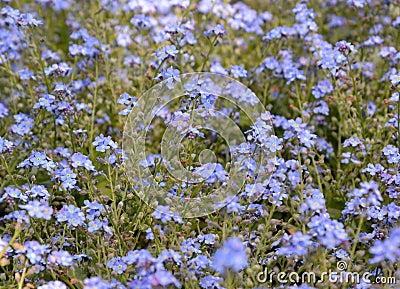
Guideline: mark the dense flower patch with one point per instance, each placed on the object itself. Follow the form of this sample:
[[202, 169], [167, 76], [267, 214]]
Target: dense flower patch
[[72, 75]]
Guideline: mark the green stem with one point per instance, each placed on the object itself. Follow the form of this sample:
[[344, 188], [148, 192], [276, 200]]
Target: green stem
[[157, 71], [212, 44], [357, 97], [398, 123], [94, 106], [353, 250], [8, 171], [14, 237], [316, 172], [21, 281]]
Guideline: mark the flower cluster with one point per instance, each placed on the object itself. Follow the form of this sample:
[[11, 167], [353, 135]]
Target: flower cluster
[[315, 174]]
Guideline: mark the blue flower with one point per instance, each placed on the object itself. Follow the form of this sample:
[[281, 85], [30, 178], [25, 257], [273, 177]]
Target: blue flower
[[129, 101], [324, 87], [139, 284], [180, 120], [38, 209], [103, 143], [199, 263], [47, 102], [72, 215], [238, 71], [62, 258], [208, 100], [19, 216], [390, 150], [26, 74], [209, 239], [52, 285], [217, 30], [141, 21], [164, 278], [94, 225], [256, 189], [316, 203], [35, 252], [232, 255], [298, 244], [374, 169], [38, 159], [139, 257], [210, 282], [165, 215], [28, 20], [321, 107], [345, 47], [67, 177], [388, 249], [306, 138], [126, 99], [341, 254], [117, 264], [356, 3], [95, 283], [123, 38], [13, 192], [331, 58], [167, 51], [23, 124], [3, 110], [58, 70], [353, 141], [171, 75], [80, 160], [275, 33]]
